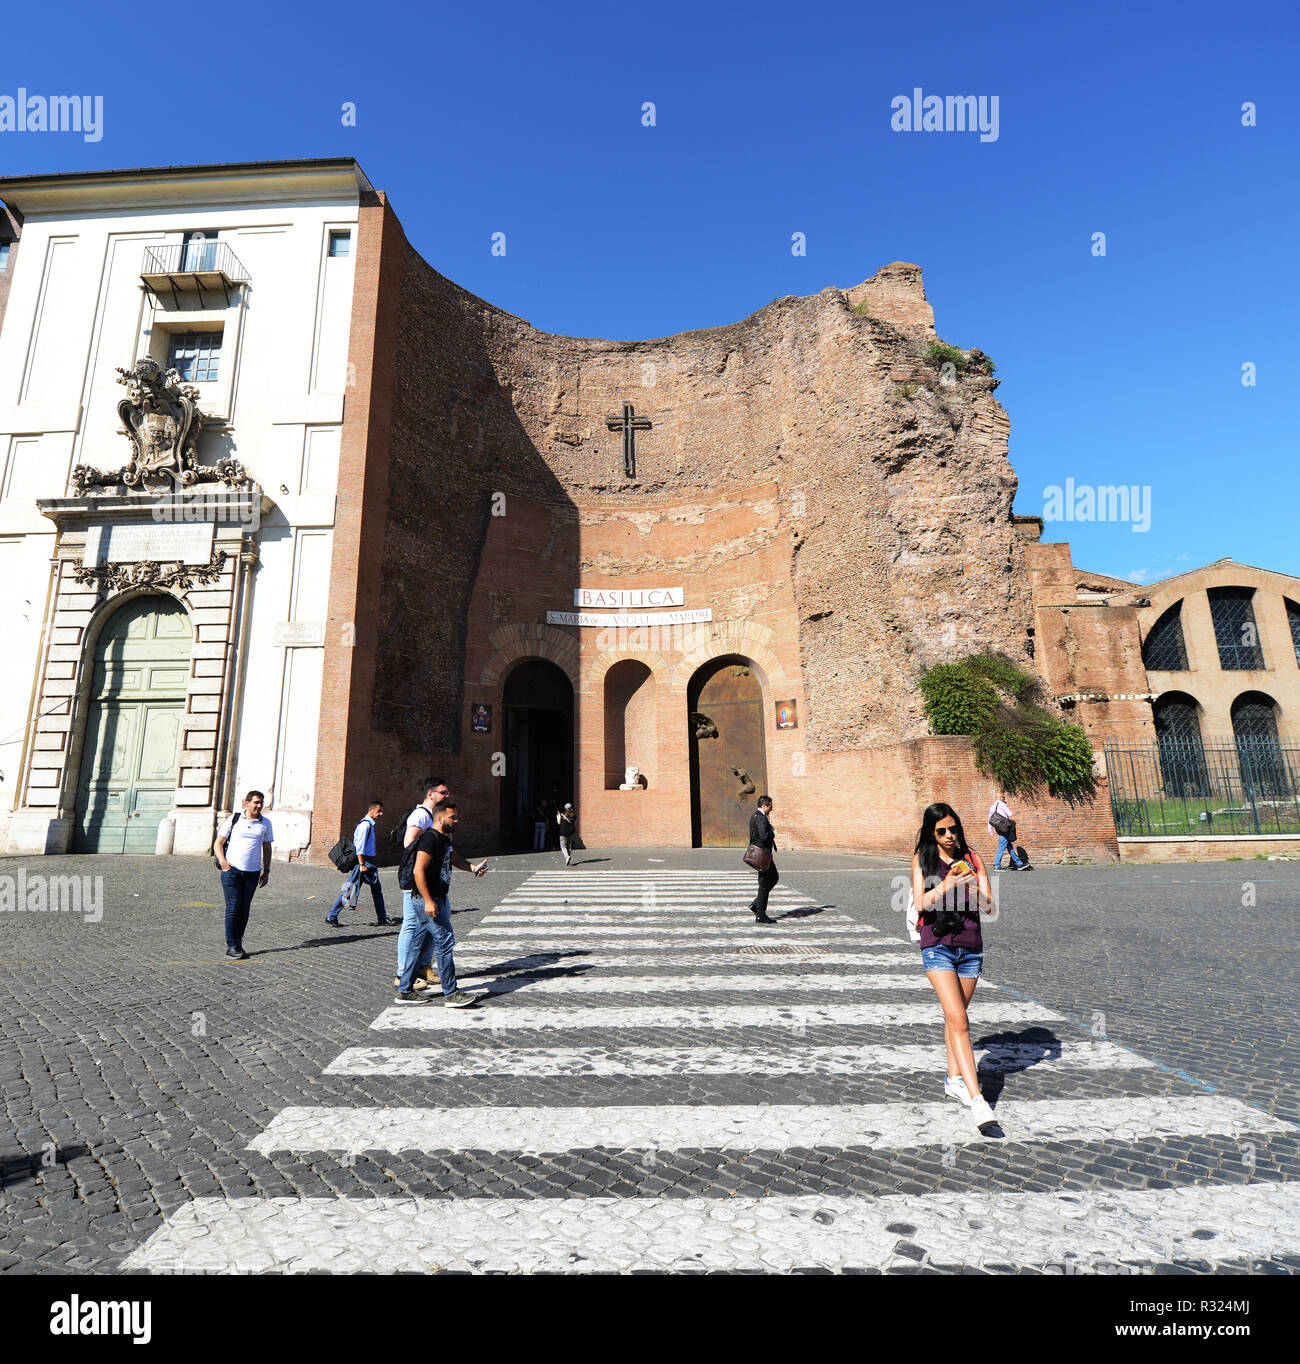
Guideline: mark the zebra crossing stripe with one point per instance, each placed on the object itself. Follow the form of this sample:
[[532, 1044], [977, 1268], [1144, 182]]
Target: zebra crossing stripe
[[750, 1127], [527, 986], [434, 1018], [580, 1062], [866, 954], [548, 931], [578, 940], [1074, 1232]]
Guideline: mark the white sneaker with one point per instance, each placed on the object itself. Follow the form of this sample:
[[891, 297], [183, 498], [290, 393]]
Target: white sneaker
[[980, 1112], [955, 1088]]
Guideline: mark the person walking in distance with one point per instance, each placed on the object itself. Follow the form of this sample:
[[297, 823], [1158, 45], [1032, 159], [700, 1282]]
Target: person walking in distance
[[243, 852], [1002, 830], [364, 873], [567, 823], [420, 819], [434, 858], [540, 816], [762, 835], [945, 872]]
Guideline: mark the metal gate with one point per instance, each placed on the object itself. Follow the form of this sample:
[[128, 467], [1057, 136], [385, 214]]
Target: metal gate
[[1216, 786]]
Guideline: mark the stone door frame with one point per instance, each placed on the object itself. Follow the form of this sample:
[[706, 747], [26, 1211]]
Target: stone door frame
[[218, 599]]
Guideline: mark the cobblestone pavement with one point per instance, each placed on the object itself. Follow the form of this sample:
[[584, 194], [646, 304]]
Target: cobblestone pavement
[[650, 1081]]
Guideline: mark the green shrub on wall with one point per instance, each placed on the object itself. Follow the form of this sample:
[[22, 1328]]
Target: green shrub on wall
[[1016, 742]]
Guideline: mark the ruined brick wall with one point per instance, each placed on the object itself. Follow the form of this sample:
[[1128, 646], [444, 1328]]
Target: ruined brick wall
[[809, 476], [1089, 650]]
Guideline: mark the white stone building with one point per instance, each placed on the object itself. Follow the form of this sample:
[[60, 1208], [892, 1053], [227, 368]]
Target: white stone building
[[162, 649]]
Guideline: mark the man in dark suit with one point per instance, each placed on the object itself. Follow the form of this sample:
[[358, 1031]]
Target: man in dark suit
[[762, 835]]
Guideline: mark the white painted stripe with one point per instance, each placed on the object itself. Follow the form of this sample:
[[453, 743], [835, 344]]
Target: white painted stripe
[[470, 962], [578, 1062], [664, 919], [434, 1018], [525, 987], [755, 1127], [543, 930], [1087, 1231], [585, 942]]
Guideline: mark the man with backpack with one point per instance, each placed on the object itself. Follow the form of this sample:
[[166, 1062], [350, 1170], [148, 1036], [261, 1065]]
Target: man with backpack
[[431, 872], [365, 872], [243, 852], [406, 835]]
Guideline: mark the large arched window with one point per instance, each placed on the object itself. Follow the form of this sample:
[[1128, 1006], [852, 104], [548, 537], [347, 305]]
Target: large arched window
[[1259, 752], [1235, 630], [1182, 755], [1293, 620], [631, 731], [1163, 650]]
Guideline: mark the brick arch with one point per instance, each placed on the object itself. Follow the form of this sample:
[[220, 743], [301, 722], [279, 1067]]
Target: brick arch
[[656, 662], [516, 643], [745, 638]]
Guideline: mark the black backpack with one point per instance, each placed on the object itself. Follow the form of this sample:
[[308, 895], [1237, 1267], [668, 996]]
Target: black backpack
[[406, 868]]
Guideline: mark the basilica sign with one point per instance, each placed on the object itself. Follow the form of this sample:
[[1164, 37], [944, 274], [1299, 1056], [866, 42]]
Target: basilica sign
[[620, 599], [630, 620]]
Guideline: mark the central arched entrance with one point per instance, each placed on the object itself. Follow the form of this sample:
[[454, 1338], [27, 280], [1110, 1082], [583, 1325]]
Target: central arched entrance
[[728, 754], [537, 707], [131, 754]]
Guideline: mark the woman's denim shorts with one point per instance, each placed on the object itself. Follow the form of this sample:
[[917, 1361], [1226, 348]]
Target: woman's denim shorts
[[960, 959]]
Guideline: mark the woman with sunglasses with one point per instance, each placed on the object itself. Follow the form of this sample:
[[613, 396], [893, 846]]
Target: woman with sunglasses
[[944, 872]]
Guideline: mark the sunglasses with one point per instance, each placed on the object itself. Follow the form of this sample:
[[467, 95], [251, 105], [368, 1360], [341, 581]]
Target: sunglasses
[[945, 828]]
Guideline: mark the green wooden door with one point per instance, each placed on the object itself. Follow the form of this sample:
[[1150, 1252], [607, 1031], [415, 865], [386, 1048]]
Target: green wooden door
[[131, 754]]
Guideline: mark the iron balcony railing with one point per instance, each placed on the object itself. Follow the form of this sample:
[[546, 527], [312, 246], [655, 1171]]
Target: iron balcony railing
[[1214, 786], [206, 257]]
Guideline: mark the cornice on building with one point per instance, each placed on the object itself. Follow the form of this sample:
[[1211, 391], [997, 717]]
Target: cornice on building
[[167, 186]]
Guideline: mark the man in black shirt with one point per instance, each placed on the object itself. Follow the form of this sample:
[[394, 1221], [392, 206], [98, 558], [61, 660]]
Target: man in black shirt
[[762, 835], [434, 858]]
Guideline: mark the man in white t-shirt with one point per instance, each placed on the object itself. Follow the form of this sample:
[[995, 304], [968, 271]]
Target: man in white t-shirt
[[243, 852], [420, 819]]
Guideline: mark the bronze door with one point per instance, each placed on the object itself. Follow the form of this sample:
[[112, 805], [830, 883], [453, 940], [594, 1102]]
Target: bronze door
[[728, 763]]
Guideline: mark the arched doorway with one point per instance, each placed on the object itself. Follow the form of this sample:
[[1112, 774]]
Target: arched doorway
[[537, 706], [728, 753], [1182, 752], [131, 752], [1263, 767]]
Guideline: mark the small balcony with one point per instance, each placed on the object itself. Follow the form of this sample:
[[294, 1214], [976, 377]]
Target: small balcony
[[206, 268]]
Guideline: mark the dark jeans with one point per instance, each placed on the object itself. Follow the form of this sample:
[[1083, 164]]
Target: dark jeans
[[238, 887], [350, 895], [766, 880]]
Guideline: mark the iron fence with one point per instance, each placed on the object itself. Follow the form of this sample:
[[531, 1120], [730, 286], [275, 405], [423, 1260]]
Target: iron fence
[[1214, 786]]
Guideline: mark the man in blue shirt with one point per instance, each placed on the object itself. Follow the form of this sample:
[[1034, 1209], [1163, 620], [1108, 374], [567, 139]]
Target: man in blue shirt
[[363, 839]]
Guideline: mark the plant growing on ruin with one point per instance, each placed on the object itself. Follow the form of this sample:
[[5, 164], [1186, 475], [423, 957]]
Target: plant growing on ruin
[[939, 355], [860, 308], [1016, 742], [907, 388]]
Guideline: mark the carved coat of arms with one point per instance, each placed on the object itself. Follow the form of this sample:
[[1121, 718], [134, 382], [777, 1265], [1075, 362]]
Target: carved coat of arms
[[162, 419]]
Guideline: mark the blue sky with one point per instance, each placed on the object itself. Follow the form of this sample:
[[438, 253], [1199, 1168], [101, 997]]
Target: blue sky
[[773, 119]]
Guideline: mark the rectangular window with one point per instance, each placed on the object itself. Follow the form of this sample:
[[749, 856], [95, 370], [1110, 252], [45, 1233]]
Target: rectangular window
[[196, 356], [4, 257], [340, 243], [199, 250], [1235, 630]]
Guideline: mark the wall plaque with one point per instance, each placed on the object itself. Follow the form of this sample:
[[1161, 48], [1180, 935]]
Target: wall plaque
[[787, 715], [187, 542], [622, 619], [290, 634], [621, 599], [480, 718]]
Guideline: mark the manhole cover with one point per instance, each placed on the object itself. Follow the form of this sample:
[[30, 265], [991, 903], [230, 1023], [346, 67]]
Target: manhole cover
[[775, 951]]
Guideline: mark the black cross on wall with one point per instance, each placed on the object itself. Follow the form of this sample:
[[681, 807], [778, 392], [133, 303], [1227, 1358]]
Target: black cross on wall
[[629, 423]]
